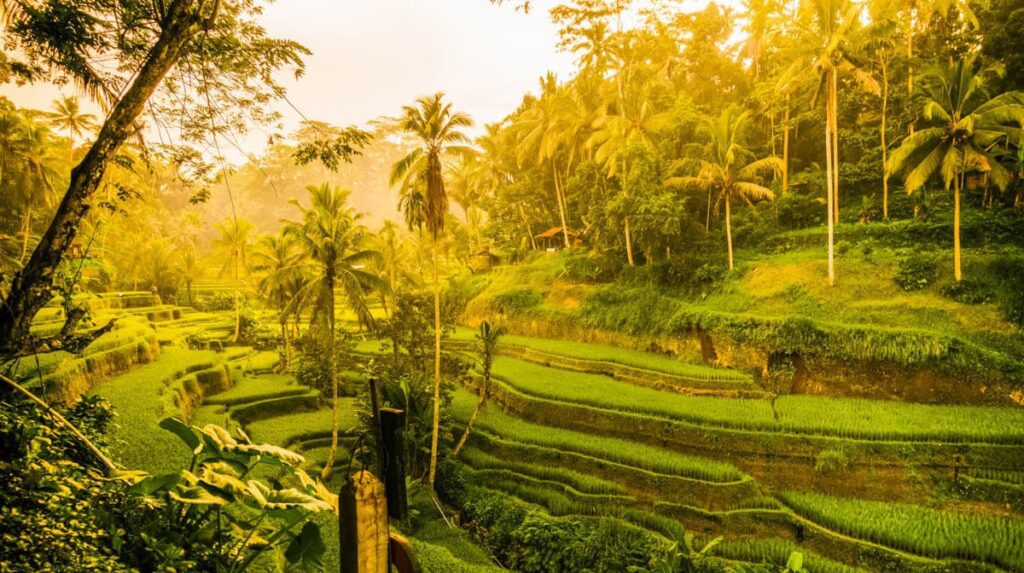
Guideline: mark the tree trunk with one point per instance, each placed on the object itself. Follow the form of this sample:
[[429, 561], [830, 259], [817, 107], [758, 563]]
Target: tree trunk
[[238, 308], [629, 243], [885, 149], [287, 346], [31, 288], [26, 230], [561, 201], [835, 141], [437, 372], [333, 360], [957, 274], [785, 149], [529, 232], [728, 229], [469, 426], [830, 197]]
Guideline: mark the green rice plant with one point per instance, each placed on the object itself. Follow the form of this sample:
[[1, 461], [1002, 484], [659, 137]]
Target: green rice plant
[[273, 407], [291, 428], [501, 475], [924, 531], [479, 460], [612, 449], [136, 440], [841, 417], [776, 552], [648, 361], [439, 559], [261, 387], [1005, 476], [556, 502]]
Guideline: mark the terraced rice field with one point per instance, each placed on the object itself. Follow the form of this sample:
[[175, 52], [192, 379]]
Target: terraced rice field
[[641, 477]]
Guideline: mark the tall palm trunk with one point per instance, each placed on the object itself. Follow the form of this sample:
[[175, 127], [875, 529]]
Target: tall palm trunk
[[287, 345], [333, 360], [728, 228], [835, 140], [26, 231], [238, 308], [885, 149], [437, 371], [830, 197], [629, 243], [957, 274], [561, 201], [785, 149]]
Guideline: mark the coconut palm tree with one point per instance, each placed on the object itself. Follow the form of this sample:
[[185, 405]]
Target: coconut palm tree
[[727, 170], [420, 177], [545, 129], [35, 176], [233, 249], [67, 116], [828, 30], [963, 129], [633, 122], [278, 258], [333, 240], [487, 343]]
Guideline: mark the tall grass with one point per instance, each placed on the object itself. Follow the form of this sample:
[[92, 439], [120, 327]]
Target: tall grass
[[841, 417], [612, 449], [924, 531]]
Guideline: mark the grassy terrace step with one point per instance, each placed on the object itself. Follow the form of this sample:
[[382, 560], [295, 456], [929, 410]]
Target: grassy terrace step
[[598, 354], [841, 417], [776, 552], [137, 441], [558, 499], [255, 388], [923, 531], [615, 450], [480, 460], [292, 428], [270, 408]]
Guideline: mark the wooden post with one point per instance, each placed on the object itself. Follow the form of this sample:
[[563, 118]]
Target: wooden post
[[392, 424], [363, 525]]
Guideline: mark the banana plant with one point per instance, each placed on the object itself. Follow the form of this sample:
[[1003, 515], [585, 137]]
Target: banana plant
[[229, 513]]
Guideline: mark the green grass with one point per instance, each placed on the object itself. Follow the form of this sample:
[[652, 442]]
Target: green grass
[[260, 387], [776, 552], [841, 417], [440, 548], [137, 441], [558, 498], [288, 429], [924, 531], [615, 450], [605, 353], [584, 483]]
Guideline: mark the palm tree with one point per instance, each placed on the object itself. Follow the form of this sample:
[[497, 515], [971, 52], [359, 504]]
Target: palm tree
[[487, 342], [279, 259], [233, 246], [964, 127], [634, 122], [830, 27], [68, 117], [421, 180], [333, 241], [544, 129], [727, 170], [37, 173], [189, 268]]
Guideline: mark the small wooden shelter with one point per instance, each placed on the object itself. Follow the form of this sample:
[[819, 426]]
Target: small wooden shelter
[[554, 238], [484, 259]]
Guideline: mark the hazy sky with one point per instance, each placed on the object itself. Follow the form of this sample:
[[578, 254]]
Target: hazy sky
[[371, 57]]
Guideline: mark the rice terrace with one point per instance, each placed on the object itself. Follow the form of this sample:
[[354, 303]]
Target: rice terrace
[[465, 286]]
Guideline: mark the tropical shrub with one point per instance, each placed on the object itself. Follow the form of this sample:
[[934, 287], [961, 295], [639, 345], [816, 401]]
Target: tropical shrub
[[61, 514], [915, 272]]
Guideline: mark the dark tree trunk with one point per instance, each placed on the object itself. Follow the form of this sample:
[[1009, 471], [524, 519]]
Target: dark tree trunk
[[31, 288]]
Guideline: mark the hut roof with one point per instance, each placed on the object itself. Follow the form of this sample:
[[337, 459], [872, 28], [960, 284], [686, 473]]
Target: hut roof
[[554, 232]]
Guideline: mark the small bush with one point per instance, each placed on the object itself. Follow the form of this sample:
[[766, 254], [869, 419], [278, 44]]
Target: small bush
[[967, 291], [516, 301], [916, 272]]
